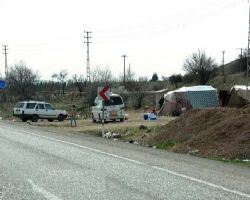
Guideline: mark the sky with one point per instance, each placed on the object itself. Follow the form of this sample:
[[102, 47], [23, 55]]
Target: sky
[[156, 35]]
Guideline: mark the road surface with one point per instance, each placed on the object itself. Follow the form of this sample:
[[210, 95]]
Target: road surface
[[52, 164]]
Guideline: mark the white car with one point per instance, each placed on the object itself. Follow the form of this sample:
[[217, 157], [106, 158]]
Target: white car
[[34, 110]]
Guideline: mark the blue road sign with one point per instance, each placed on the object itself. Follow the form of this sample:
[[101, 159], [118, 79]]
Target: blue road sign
[[2, 84]]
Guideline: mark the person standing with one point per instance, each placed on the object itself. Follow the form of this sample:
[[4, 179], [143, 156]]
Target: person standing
[[73, 116], [161, 101]]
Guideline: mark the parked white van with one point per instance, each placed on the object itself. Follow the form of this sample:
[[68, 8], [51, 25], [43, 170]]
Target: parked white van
[[113, 109]]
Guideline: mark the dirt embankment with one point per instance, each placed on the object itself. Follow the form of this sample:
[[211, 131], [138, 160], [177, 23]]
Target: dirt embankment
[[220, 132]]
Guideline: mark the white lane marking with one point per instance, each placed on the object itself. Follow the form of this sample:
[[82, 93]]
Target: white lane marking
[[201, 181], [42, 191], [138, 162]]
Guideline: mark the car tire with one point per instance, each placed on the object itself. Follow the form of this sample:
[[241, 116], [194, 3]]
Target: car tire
[[50, 120], [34, 118], [24, 120], [122, 119], [61, 117]]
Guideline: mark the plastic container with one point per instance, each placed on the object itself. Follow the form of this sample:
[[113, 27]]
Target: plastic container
[[145, 116]]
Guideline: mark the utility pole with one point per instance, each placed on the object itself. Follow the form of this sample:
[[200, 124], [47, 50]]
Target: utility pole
[[241, 55], [248, 54], [87, 37], [124, 59], [223, 66], [5, 49]]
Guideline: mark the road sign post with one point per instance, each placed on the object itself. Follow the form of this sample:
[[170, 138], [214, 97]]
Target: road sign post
[[103, 94]]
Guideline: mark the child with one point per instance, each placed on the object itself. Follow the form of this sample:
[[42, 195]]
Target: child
[[73, 115]]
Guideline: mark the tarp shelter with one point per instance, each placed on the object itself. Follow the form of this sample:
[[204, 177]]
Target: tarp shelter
[[239, 96], [157, 95], [186, 98]]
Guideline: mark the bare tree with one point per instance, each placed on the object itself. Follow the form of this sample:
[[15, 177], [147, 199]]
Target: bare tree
[[61, 77], [143, 79], [79, 82], [21, 81], [130, 79], [101, 75], [201, 66]]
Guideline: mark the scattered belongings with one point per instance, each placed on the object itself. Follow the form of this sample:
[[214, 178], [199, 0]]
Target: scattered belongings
[[133, 142], [143, 127], [112, 135], [150, 116]]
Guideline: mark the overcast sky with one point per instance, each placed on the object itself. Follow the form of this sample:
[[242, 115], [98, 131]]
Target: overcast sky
[[156, 35]]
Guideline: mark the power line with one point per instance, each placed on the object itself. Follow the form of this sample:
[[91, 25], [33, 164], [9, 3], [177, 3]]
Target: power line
[[87, 37], [5, 49]]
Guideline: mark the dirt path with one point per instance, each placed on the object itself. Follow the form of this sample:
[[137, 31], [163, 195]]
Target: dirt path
[[135, 119]]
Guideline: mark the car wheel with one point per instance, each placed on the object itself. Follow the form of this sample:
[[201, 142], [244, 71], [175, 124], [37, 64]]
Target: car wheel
[[61, 117], [93, 119], [24, 119], [34, 118], [50, 120]]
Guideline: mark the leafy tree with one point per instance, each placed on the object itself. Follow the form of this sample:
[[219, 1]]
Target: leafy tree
[[202, 67], [61, 77], [154, 77], [21, 81], [188, 78], [175, 79]]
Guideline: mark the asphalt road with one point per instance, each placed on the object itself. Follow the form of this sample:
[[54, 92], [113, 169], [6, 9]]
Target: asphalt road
[[40, 164]]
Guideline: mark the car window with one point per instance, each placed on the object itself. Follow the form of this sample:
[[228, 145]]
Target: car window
[[114, 101], [40, 106], [30, 105], [49, 107], [19, 105]]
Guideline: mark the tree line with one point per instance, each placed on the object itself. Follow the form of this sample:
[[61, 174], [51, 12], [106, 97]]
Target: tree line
[[24, 83]]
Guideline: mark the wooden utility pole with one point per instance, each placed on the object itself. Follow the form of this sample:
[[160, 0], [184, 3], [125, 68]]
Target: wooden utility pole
[[5, 49], [248, 54], [124, 65], [223, 66], [241, 55]]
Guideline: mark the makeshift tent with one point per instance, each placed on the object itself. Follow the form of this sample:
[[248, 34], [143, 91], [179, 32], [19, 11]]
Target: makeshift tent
[[186, 98], [239, 96]]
